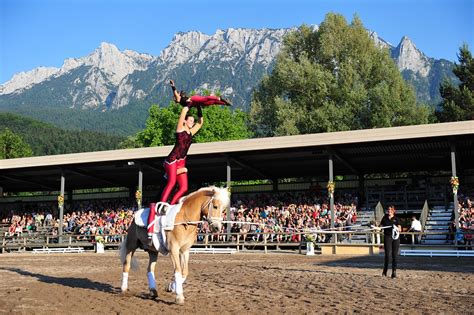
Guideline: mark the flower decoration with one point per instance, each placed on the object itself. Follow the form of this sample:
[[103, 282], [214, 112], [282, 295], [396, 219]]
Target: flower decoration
[[138, 197], [454, 181], [309, 238], [60, 201], [331, 188], [99, 239]]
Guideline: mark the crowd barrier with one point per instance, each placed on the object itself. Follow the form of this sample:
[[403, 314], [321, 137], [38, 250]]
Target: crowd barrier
[[335, 242], [437, 253], [58, 250]]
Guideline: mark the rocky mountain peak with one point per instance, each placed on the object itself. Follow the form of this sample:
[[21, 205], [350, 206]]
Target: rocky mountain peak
[[183, 46], [24, 80], [379, 41], [116, 64], [110, 78], [408, 57]]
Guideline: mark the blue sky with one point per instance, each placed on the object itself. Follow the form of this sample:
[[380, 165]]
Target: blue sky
[[45, 32]]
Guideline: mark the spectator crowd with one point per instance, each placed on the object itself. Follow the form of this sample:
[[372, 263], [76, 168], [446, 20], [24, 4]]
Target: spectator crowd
[[466, 219], [83, 220], [280, 215], [284, 216]]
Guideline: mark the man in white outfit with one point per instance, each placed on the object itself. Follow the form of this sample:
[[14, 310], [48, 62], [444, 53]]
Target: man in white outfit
[[415, 227]]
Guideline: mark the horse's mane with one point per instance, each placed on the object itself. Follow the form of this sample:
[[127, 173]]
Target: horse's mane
[[219, 193]]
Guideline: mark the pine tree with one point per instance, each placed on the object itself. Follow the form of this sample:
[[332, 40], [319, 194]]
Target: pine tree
[[458, 101]]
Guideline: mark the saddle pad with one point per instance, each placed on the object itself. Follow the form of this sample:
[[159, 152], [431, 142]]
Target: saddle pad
[[171, 216], [141, 217], [159, 237]]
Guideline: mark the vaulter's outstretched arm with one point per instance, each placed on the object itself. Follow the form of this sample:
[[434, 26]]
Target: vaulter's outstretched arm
[[199, 123], [176, 95]]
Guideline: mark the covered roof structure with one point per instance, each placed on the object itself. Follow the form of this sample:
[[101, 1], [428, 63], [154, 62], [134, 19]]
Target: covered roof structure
[[396, 149]]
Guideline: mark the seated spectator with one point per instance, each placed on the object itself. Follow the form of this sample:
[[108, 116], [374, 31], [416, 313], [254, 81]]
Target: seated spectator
[[415, 227]]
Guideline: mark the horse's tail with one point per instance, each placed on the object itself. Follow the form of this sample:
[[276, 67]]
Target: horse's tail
[[123, 255]]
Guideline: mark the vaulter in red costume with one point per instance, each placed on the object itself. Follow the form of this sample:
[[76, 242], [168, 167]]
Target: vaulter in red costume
[[175, 163]]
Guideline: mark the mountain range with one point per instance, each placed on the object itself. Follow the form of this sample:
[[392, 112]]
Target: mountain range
[[110, 83]]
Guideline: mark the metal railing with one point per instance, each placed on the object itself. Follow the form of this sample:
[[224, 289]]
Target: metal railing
[[424, 215]]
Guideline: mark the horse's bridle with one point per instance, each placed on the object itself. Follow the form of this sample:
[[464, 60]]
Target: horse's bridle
[[209, 218]]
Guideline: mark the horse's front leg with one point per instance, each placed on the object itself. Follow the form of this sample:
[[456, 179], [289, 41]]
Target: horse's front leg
[[178, 275], [184, 259], [152, 258]]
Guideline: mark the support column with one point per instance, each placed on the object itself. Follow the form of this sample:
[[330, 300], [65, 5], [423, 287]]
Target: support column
[[229, 173], [367, 198], [360, 202], [455, 195], [140, 183], [331, 196], [61, 208]]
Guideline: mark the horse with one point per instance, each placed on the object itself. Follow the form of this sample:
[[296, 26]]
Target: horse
[[209, 203]]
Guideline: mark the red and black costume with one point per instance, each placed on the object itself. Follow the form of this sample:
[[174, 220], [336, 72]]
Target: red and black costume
[[198, 100], [176, 160]]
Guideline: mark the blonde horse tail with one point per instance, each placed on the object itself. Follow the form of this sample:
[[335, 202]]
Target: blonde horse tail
[[123, 255]]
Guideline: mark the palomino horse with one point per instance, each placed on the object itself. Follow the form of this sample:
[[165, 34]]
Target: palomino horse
[[209, 203]]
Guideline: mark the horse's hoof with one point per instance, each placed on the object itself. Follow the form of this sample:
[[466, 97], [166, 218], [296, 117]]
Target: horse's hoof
[[153, 293], [123, 289], [180, 299]]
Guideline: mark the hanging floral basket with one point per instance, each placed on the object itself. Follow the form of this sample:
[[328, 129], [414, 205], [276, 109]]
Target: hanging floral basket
[[138, 197], [454, 181], [60, 201], [331, 188]]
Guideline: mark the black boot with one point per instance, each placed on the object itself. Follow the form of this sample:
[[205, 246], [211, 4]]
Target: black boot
[[384, 273], [394, 274], [227, 102]]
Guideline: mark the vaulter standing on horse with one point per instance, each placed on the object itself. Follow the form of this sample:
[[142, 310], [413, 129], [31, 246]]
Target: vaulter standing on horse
[[175, 163]]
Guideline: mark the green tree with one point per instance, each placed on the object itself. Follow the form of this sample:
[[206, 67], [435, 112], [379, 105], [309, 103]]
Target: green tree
[[458, 101], [220, 124], [331, 79], [12, 146]]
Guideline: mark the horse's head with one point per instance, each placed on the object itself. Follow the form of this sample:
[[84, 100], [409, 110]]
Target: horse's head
[[215, 207]]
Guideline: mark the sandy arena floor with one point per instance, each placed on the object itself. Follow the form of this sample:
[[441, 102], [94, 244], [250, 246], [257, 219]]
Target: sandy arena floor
[[236, 284]]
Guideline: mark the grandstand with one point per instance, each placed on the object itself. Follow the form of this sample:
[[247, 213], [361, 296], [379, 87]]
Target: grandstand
[[433, 152]]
